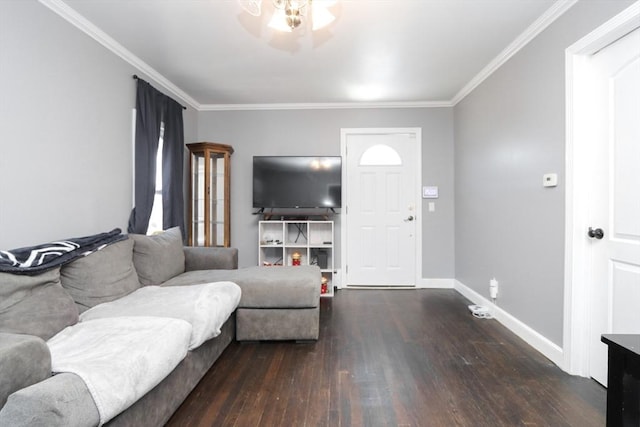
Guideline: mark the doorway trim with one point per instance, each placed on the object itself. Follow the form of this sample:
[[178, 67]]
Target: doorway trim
[[417, 134], [577, 149]]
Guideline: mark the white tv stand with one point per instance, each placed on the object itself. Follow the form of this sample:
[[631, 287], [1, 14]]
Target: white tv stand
[[314, 241]]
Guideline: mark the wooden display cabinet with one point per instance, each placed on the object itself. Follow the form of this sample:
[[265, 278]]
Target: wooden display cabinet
[[209, 194]]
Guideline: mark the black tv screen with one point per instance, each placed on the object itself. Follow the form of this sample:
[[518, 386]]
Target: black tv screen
[[297, 181]]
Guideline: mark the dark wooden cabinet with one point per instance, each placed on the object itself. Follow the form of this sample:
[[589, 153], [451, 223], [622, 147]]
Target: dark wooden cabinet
[[210, 193]]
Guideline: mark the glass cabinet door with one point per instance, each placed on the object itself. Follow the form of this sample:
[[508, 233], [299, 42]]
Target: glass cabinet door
[[197, 199], [210, 198], [217, 199]]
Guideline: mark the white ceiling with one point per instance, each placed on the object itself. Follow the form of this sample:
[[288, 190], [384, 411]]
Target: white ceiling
[[382, 52]]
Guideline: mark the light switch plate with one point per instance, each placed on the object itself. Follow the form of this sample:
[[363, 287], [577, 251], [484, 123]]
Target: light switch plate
[[550, 180], [429, 192]]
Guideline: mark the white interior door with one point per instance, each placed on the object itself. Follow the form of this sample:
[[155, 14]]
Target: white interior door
[[614, 237], [381, 209]]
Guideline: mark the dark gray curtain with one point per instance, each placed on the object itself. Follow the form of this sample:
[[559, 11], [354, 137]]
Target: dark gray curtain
[[149, 106], [172, 166], [153, 108]]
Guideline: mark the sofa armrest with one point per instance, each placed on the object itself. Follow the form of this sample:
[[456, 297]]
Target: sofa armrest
[[210, 258], [59, 401], [24, 360]]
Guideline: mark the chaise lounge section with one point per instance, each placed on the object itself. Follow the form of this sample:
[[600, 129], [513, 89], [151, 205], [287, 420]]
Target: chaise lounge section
[[278, 303]]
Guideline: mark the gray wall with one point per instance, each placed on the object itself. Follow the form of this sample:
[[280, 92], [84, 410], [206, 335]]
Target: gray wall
[[65, 132], [508, 133], [311, 132]]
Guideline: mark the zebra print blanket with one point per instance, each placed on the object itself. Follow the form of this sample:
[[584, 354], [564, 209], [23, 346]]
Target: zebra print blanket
[[38, 259]]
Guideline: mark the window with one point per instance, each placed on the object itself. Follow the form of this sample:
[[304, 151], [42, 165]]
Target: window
[[380, 155], [155, 221]]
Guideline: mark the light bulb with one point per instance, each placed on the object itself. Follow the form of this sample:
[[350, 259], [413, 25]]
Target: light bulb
[[279, 21]]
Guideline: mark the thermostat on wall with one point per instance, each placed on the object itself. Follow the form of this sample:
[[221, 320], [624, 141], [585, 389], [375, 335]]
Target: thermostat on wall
[[550, 180], [429, 192]]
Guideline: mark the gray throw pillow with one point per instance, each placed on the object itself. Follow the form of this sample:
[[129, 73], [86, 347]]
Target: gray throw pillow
[[159, 257], [102, 276], [35, 305]]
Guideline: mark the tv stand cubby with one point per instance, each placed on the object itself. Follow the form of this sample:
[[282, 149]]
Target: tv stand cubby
[[312, 242]]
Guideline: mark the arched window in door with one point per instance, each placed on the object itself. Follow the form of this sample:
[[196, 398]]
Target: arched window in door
[[380, 155]]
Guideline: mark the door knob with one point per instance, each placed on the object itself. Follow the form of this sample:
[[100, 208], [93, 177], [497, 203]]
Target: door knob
[[597, 233], [410, 218]]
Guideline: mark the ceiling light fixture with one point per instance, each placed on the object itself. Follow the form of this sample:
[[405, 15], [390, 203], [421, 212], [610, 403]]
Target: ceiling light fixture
[[288, 14]]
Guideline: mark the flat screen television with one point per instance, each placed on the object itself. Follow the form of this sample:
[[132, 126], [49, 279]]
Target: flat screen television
[[297, 182]]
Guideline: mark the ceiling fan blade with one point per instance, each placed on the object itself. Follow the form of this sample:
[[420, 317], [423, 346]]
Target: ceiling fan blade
[[254, 7]]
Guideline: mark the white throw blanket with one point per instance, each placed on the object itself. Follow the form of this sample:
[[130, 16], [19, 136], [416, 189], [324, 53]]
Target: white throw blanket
[[120, 359], [206, 307]]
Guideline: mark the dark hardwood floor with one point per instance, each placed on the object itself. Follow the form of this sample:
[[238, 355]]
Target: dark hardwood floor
[[393, 358]]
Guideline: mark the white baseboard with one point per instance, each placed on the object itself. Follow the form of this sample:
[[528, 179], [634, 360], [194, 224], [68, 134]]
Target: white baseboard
[[550, 350], [426, 283], [423, 283]]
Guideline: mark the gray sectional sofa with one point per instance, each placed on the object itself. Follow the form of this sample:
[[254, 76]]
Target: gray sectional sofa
[[276, 303]]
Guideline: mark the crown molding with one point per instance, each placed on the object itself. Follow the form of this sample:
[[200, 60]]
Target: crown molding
[[80, 22], [539, 25], [617, 27], [83, 24], [324, 106]]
